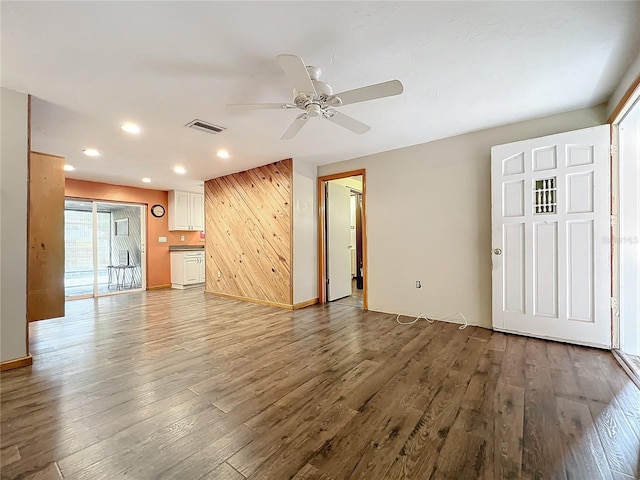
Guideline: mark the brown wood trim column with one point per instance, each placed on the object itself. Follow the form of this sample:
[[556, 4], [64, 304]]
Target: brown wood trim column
[[45, 237]]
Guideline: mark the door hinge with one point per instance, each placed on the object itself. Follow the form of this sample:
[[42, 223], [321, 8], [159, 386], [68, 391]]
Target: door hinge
[[614, 305], [327, 281], [613, 150], [613, 220]]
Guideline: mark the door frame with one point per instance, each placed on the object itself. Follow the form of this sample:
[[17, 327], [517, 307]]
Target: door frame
[[617, 115], [322, 234]]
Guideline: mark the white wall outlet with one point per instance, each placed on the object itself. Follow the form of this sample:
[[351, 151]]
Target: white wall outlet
[[418, 284], [182, 238], [162, 239]]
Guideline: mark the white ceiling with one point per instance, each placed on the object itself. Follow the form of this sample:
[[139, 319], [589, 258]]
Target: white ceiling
[[465, 66]]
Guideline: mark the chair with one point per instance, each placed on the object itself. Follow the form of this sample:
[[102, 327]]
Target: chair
[[121, 271]]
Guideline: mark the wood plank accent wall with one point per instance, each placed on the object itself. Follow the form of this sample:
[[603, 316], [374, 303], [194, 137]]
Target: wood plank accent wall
[[249, 237], [45, 229]]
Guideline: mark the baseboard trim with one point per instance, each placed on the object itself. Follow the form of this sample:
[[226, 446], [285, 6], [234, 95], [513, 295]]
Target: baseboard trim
[[16, 363], [308, 303], [159, 287], [252, 300]]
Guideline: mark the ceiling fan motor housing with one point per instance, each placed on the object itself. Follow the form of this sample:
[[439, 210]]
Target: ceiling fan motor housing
[[315, 104]]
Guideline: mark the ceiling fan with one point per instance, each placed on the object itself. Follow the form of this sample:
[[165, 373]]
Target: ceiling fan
[[316, 98]]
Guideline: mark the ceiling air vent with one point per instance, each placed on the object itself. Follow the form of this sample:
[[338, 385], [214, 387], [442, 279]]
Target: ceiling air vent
[[205, 127]]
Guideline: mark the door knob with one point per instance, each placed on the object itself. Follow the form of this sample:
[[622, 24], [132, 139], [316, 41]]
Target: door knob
[[497, 251]]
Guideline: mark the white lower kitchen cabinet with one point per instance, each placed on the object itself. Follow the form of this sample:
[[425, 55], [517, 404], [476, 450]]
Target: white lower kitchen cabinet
[[187, 268]]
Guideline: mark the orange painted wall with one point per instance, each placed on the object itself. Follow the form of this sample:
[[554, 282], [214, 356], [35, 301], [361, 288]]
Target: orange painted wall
[[158, 264]]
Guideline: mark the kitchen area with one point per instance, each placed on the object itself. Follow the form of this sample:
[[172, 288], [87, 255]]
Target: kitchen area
[[186, 213]]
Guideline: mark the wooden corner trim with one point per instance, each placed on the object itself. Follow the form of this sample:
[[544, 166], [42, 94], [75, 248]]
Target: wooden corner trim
[[252, 300], [337, 176], [623, 101], [16, 363], [159, 287], [308, 303]]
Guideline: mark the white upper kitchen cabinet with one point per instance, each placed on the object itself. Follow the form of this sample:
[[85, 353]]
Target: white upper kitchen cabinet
[[186, 210]]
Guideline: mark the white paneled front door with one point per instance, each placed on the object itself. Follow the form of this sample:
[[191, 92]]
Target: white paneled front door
[[551, 237]]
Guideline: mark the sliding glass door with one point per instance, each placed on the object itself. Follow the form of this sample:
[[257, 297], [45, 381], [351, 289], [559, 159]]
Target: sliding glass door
[[105, 248], [78, 241]]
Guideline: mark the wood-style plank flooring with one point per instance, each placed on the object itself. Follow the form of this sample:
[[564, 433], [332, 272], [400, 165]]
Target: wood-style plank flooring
[[183, 385]]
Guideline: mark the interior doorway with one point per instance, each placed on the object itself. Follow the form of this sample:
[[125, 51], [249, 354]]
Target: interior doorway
[[104, 248], [342, 239]]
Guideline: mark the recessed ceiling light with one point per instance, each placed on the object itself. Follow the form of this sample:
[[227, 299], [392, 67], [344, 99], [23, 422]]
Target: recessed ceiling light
[[223, 154], [179, 170], [146, 180], [91, 152], [69, 168], [130, 128]]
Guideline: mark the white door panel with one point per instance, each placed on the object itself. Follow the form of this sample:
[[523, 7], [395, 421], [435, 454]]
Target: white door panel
[[551, 238], [338, 223]]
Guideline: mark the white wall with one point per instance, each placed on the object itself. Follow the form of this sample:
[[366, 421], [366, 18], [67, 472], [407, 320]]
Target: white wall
[[13, 225], [633, 72], [429, 218], [629, 240], [305, 232]]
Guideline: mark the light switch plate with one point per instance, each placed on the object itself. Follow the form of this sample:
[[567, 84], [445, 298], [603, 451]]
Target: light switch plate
[[162, 239]]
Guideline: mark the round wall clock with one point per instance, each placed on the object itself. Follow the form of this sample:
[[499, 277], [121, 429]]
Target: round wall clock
[[157, 211]]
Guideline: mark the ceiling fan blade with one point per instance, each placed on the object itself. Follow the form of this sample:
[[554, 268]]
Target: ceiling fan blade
[[350, 123], [261, 106], [297, 73], [371, 92], [295, 127]]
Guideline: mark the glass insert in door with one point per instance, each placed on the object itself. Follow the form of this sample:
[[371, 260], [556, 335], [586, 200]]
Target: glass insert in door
[[78, 236], [119, 248]]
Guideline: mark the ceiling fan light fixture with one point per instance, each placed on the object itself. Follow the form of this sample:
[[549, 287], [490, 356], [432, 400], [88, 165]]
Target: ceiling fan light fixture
[[314, 110]]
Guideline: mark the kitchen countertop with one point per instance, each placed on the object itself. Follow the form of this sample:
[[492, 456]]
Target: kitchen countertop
[[181, 248]]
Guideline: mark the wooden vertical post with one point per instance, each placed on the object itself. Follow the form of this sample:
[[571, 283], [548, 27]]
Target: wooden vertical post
[[45, 233]]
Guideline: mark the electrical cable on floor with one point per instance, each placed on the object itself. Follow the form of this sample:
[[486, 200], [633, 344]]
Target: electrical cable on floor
[[431, 318]]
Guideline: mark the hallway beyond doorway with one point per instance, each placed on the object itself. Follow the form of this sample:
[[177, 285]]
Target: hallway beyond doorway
[[353, 300]]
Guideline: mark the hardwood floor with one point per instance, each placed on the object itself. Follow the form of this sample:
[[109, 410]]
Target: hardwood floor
[[177, 384]]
